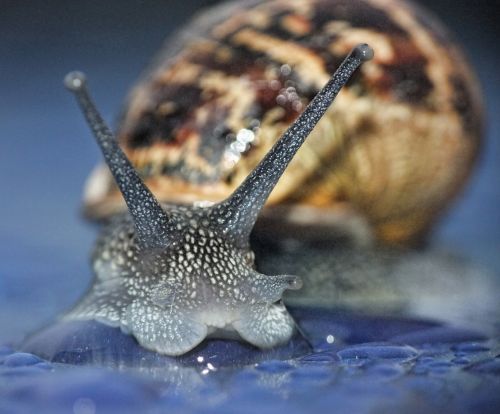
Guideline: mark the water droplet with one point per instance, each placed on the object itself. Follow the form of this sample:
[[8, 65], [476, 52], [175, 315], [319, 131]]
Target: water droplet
[[319, 358], [460, 361], [285, 70], [20, 359], [274, 366], [439, 334], [470, 347], [488, 366], [377, 351]]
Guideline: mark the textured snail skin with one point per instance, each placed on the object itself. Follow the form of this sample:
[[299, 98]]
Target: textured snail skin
[[172, 275], [382, 164]]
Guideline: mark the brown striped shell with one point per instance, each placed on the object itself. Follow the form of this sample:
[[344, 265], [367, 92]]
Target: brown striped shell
[[388, 157]]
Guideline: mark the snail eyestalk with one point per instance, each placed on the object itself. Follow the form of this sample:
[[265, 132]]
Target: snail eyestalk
[[151, 221], [239, 212]]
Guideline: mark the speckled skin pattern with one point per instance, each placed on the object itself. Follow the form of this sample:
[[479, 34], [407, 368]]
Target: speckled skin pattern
[[172, 298], [399, 144], [172, 275]]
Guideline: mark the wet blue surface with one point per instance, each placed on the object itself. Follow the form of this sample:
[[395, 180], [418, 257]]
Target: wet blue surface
[[449, 370], [374, 364], [90, 342]]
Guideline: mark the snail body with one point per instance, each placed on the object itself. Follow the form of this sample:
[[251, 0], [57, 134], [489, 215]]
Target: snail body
[[205, 141]]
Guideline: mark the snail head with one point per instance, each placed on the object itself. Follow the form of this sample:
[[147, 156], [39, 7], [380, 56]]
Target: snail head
[[171, 275]]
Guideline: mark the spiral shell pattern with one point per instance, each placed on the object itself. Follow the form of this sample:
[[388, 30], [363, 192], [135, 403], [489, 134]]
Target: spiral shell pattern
[[391, 154]]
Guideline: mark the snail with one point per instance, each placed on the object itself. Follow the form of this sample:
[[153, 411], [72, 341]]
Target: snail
[[201, 155], [173, 275]]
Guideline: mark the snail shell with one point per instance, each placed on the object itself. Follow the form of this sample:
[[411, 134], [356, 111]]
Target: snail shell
[[390, 155]]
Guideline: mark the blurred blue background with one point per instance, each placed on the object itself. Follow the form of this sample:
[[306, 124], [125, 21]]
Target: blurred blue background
[[46, 151]]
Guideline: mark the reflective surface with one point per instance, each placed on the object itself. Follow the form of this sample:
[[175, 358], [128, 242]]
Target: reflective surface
[[358, 364]]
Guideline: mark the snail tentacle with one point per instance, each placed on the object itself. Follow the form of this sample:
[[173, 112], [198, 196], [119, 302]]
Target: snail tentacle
[[238, 213], [152, 223], [270, 288]]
